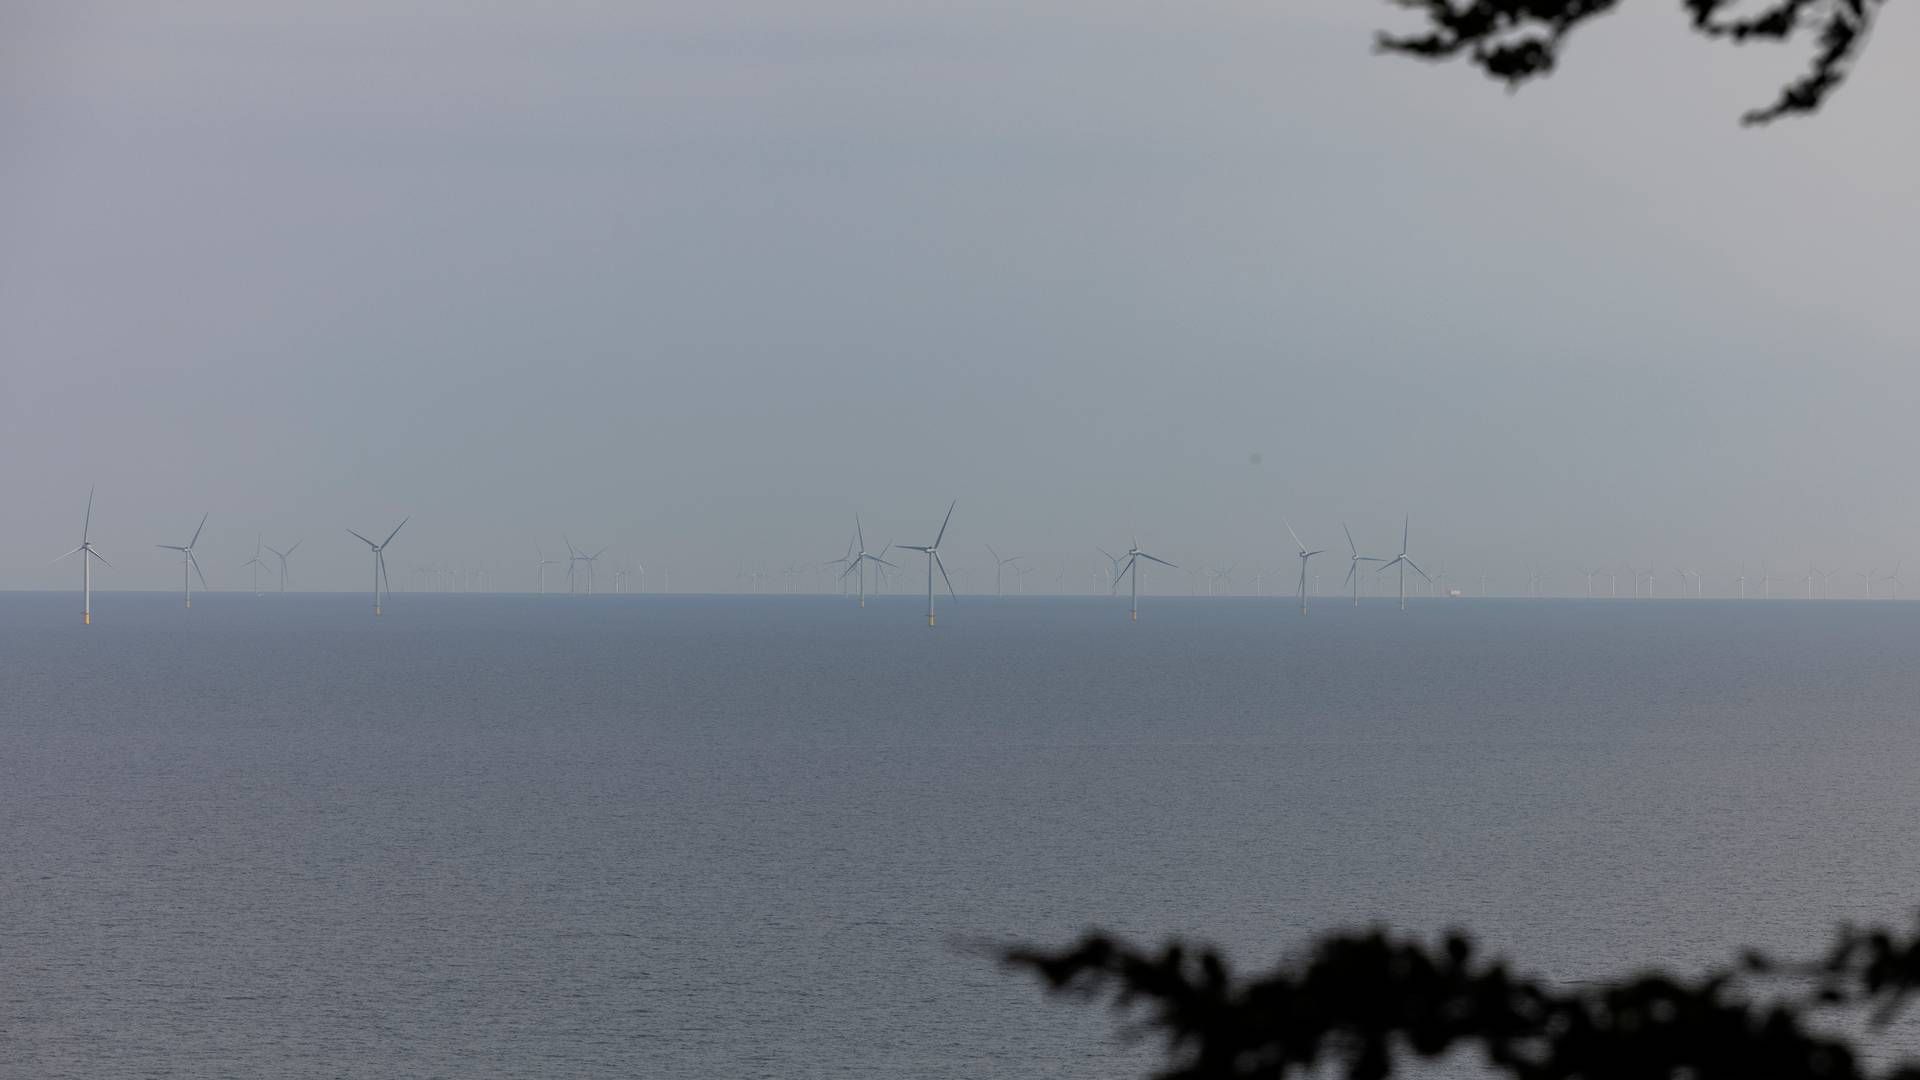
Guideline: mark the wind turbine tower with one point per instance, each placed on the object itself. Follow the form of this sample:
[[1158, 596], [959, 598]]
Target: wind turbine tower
[[1130, 569], [256, 563], [932, 552], [1403, 562], [189, 566], [87, 555], [857, 561], [1304, 556], [282, 556], [379, 551], [1353, 564]]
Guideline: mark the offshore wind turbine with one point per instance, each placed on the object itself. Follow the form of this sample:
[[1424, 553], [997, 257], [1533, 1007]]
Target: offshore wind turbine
[[1353, 563], [932, 552], [1304, 556], [1403, 562], [542, 565], [188, 564], [858, 557], [1000, 564], [255, 563], [576, 556], [87, 555], [1130, 568], [282, 556], [380, 562]]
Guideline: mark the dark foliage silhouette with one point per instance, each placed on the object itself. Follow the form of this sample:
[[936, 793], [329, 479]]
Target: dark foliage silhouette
[[1361, 1003], [1516, 40]]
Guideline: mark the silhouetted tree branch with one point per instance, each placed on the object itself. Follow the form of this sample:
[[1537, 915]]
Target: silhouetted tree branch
[[1516, 40], [1364, 1001]]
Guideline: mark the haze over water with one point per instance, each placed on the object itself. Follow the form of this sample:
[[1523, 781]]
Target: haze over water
[[697, 836]]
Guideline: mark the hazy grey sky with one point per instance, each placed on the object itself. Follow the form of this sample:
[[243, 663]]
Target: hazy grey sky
[[701, 280]]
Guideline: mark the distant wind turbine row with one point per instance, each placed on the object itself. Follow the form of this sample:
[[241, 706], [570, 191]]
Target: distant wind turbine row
[[855, 563]]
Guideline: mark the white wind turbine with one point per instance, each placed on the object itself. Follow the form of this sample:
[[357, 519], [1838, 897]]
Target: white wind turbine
[[932, 552], [999, 565], [1403, 562], [1353, 563], [1020, 577], [87, 555], [1893, 579], [1130, 568], [256, 563], [282, 556], [576, 556], [189, 566], [542, 565], [858, 557], [380, 562], [1304, 556]]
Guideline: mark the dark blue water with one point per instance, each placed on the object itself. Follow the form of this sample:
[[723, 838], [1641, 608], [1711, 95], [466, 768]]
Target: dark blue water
[[647, 836]]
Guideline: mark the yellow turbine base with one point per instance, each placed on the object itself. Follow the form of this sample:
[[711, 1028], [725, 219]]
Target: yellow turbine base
[[189, 601], [929, 620], [376, 611], [1134, 615], [86, 618]]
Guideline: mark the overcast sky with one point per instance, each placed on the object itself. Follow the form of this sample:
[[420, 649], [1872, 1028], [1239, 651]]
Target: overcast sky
[[701, 280]]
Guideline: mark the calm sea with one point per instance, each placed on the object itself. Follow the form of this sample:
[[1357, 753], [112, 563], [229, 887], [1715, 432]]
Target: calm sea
[[750, 837]]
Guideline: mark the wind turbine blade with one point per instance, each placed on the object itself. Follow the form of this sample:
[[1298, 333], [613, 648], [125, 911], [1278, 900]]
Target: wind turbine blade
[[1296, 537], [1416, 568], [995, 554], [396, 530], [943, 574], [99, 556], [365, 541], [1352, 569], [943, 525], [88, 523], [195, 563], [1159, 560], [196, 531], [883, 562], [1406, 529], [170, 547], [1386, 566], [1349, 532], [68, 555], [1108, 554], [296, 545], [599, 553]]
